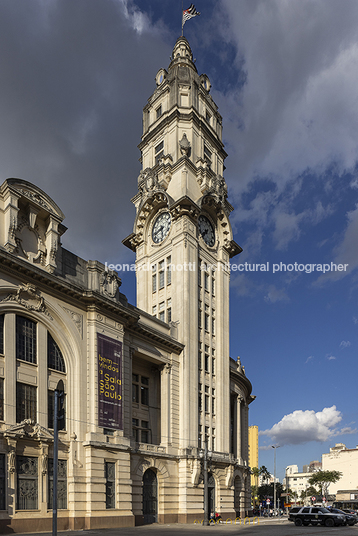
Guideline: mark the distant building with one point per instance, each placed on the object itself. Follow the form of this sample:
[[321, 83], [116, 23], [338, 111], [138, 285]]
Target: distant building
[[298, 482], [254, 452], [344, 460]]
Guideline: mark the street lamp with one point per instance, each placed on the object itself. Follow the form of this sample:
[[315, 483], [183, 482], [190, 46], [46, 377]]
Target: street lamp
[[274, 478]]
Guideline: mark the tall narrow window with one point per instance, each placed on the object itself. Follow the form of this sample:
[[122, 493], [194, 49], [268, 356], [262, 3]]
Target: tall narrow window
[[206, 318], [199, 272], [110, 470], [25, 339], [27, 483], [144, 432], [144, 391], [206, 281], [1, 334], [1, 399], [206, 364], [162, 311], [2, 482], [159, 152], [161, 275], [207, 155], [135, 388], [61, 484], [26, 406], [207, 407], [154, 278], [159, 111], [169, 310], [169, 270], [135, 429], [54, 356]]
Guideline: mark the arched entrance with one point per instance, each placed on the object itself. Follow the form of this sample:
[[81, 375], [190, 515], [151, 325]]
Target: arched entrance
[[150, 497], [211, 493]]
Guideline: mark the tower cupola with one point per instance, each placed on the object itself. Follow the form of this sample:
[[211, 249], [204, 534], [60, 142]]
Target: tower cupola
[[182, 54]]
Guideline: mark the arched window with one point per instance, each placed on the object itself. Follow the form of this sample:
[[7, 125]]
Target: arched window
[[55, 359]]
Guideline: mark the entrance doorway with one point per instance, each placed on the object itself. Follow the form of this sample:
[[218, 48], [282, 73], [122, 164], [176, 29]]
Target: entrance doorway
[[150, 497]]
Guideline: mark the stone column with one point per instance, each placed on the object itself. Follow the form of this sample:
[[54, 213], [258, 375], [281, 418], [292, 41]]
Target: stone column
[[238, 429]]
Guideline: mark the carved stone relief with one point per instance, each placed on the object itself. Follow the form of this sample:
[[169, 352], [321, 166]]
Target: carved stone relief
[[29, 297], [77, 320]]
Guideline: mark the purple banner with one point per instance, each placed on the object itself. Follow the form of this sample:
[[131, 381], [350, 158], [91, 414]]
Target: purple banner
[[109, 382]]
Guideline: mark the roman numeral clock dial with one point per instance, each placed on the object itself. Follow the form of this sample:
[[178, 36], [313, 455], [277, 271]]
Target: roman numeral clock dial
[[161, 227], [206, 230]]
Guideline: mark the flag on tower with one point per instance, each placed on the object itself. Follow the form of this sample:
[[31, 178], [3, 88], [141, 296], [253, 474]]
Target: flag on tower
[[189, 14]]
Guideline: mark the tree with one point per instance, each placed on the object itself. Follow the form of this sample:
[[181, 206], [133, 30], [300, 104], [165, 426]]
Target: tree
[[265, 473], [323, 479]]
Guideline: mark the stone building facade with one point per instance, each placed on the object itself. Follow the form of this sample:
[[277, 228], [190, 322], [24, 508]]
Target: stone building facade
[[146, 387]]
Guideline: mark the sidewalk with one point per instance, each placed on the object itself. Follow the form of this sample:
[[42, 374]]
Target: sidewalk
[[166, 530]]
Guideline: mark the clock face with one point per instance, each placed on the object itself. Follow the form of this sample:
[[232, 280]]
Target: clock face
[[161, 227], [206, 231]]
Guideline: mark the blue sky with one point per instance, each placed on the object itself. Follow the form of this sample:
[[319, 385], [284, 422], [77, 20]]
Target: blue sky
[[75, 77]]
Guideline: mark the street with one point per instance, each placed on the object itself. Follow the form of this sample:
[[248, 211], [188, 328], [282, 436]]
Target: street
[[265, 527]]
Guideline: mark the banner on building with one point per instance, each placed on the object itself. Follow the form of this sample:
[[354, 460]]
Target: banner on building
[[109, 382]]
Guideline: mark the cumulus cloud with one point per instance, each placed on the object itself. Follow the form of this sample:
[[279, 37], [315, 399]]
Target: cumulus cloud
[[304, 426]]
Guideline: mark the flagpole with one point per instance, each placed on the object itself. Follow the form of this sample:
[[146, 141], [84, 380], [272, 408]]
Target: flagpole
[[182, 25]]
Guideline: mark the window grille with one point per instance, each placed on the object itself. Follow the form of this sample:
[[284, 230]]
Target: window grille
[[25, 339], [26, 405], [61, 484], [55, 359], [110, 470], [27, 483]]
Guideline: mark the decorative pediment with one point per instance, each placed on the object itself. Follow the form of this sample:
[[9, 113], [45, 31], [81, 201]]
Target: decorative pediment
[[29, 297], [37, 197], [28, 429]]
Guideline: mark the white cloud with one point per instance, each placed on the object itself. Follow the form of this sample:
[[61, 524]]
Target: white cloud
[[345, 344], [330, 357], [275, 294], [305, 426], [309, 358]]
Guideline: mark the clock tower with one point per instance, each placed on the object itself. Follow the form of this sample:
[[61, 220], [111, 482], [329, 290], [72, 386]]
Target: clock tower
[[183, 241]]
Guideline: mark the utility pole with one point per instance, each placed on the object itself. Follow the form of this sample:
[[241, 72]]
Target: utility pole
[[274, 479], [206, 490], [58, 424]]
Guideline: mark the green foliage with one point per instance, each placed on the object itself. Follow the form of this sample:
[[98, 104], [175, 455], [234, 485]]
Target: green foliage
[[267, 491], [323, 479]]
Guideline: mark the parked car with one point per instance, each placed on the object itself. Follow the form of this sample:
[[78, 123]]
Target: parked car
[[316, 515], [351, 519]]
